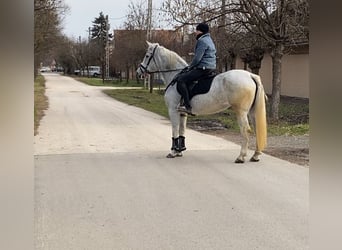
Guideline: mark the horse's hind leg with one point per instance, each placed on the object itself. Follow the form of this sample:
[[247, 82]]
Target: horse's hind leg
[[244, 130], [257, 152]]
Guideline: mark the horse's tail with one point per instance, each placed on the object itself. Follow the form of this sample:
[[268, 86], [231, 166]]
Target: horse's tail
[[260, 114]]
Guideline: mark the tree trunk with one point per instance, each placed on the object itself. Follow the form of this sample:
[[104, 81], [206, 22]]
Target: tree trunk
[[127, 74], [276, 80], [255, 71], [151, 83], [103, 70], [244, 65], [255, 64], [254, 59], [232, 62]]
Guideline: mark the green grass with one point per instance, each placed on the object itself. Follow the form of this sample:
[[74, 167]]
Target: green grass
[[292, 112], [40, 101], [113, 83], [141, 98]]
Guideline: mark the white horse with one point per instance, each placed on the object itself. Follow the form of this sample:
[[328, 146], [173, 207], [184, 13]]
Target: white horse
[[238, 89]]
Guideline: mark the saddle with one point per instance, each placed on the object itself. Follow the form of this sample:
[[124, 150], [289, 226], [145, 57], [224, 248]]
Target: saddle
[[202, 85]]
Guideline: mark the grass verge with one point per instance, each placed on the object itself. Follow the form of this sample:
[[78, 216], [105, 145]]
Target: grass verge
[[40, 101], [293, 112], [112, 83]]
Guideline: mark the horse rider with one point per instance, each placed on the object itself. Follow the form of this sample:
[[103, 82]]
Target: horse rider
[[203, 63]]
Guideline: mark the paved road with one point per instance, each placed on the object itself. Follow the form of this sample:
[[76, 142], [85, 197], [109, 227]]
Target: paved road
[[102, 182]]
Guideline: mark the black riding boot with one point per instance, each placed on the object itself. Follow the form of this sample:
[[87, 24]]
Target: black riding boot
[[183, 90]]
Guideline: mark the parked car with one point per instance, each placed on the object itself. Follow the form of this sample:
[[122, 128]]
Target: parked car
[[94, 71], [58, 69], [45, 69]]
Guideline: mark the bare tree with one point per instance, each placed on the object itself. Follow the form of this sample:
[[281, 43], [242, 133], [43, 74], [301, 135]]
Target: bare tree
[[252, 50], [282, 24], [48, 16], [190, 12], [128, 50], [129, 43], [139, 28], [64, 55], [136, 18]]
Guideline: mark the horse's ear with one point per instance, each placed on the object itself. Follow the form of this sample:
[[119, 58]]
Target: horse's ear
[[148, 43]]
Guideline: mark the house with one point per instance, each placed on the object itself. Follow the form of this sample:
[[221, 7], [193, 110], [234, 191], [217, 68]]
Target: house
[[295, 72]]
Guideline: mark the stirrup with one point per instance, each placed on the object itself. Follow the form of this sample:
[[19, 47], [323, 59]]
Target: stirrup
[[185, 110]]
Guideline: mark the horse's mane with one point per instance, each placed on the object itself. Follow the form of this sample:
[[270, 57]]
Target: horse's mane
[[173, 57]]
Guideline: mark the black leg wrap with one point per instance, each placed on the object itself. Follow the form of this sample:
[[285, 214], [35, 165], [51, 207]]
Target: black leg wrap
[[175, 144], [181, 144]]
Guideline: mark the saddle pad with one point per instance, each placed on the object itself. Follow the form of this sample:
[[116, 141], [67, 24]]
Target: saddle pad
[[202, 86]]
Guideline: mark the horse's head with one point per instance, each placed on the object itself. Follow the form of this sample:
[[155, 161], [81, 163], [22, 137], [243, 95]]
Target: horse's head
[[148, 64]]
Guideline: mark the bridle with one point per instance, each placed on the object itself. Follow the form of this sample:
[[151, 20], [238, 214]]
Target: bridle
[[145, 68]]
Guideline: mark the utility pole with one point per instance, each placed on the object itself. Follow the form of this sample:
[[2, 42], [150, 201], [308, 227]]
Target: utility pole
[[149, 36], [149, 19], [107, 49], [89, 47]]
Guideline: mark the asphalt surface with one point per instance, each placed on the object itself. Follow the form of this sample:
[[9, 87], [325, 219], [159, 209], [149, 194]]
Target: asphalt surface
[[102, 181]]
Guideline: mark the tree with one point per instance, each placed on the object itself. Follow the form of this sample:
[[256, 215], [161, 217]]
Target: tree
[[63, 54], [190, 12], [101, 37], [282, 24], [129, 49], [137, 16], [48, 16], [140, 17], [252, 51]]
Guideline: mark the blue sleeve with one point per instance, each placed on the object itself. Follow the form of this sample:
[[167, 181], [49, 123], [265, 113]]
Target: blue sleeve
[[199, 52]]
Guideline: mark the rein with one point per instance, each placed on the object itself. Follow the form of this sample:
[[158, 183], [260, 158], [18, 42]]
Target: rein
[[162, 71]]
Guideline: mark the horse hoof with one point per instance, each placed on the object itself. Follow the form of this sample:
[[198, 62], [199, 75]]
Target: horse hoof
[[179, 154], [254, 159], [170, 156], [239, 161]]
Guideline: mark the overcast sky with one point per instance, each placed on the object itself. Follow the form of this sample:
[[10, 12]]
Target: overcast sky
[[83, 12]]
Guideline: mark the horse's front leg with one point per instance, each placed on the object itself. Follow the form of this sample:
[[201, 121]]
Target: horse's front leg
[[182, 127], [175, 123]]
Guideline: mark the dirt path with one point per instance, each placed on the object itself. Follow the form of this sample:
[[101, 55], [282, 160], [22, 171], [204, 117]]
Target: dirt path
[[294, 149]]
